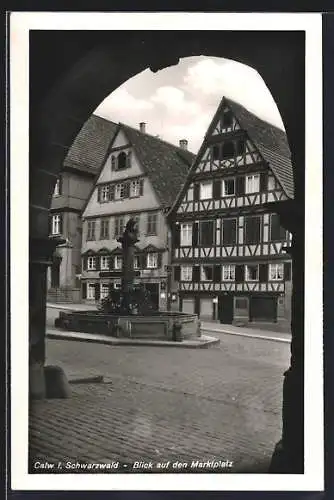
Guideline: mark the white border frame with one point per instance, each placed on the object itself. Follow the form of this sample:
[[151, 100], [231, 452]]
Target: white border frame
[[20, 24]]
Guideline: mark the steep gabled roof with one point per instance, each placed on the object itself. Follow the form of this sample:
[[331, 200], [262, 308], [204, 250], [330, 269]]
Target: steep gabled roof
[[166, 165], [90, 148], [271, 143]]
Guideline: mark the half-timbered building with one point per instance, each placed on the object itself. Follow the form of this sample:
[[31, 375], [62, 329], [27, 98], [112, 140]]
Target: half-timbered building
[[139, 178], [228, 252]]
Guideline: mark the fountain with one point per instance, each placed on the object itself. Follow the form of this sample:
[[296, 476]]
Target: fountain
[[128, 312]]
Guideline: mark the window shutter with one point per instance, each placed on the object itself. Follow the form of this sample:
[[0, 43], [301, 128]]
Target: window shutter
[[113, 163], [263, 181], [141, 187], [239, 273], [240, 186], [177, 273], [61, 224], [177, 236], [111, 192], [84, 263], [128, 159], [99, 194], [195, 234], [287, 271], [263, 273], [216, 189], [206, 233], [97, 291], [196, 274], [84, 290], [196, 192], [50, 224], [143, 261], [217, 273], [159, 260], [97, 262]]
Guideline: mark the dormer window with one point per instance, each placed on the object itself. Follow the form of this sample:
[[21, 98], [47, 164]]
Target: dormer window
[[121, 161]]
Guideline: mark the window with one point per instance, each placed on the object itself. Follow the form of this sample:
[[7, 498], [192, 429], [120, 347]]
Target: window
[[119, 191], [91, 291], [205, 190], [252, 230], [186, 273], [104, 290], [228, 150], [104, 262], [117, 285], [152, 260], [276, 272], [104, 193], [152, 220], [227, 118], [252, 272], [240, 147], [91, 230], [277, 232], [118, 262], [56, 191], [271, 183], [121, 161], [186, 234], [228, 187], [229, 272], [104, 229], [119, 226], [91, 263], [206, 273], [56, 224], [229, 232], [252, 183], [206, 235], [136, 262], [135, 188]]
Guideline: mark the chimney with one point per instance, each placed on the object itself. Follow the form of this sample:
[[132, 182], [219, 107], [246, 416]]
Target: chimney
[[142, 127], [183, 144]]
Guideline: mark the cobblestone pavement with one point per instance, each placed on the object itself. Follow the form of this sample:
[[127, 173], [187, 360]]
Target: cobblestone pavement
[[222, 403]]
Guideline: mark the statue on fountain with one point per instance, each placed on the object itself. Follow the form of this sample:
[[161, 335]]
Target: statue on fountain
[[131, 299]]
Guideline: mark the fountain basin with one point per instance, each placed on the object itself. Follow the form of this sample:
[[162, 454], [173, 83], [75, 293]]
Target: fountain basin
[[160, 325]]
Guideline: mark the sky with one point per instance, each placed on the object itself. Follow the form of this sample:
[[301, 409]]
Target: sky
[[179, 102]]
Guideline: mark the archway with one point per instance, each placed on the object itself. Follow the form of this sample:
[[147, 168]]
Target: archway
[[80, 70]]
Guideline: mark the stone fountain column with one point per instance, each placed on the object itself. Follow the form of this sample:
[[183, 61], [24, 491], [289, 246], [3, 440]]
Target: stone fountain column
[[128, 241]]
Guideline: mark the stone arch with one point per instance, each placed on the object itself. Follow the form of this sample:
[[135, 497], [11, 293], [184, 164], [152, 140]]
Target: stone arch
[[81, 69]]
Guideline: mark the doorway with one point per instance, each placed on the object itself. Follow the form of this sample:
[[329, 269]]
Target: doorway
[[225, 308], [263, 309]]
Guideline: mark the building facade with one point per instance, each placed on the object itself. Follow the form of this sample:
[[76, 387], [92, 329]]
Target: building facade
[[138, 179], [72, 189], [228, 249]]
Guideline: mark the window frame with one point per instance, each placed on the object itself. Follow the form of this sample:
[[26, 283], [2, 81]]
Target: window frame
[[155, 262], [90, 287], [231, 272], [56, 224], [152, 225], [252, 176], [118, 262], [93, 261], [186, 272], [120, 191], [188, 232], [275, 265], [228, 179], [134, 194], [103, 287], [247, 266], [104, 259], [202, 277], [207, 184]]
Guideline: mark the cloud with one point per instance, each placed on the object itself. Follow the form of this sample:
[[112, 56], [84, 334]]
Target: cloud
[[210, 78], [122, 101], [174, 101]]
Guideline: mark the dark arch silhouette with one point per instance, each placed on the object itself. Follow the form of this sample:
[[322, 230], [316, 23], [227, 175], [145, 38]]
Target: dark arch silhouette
[[79, 70]]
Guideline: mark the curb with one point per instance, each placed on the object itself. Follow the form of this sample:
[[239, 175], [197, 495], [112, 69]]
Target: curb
[[250, 335], [101, 339]]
